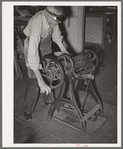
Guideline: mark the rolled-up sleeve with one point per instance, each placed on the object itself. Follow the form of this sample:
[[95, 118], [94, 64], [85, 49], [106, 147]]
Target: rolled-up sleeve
[[56, 36], [33, 58]]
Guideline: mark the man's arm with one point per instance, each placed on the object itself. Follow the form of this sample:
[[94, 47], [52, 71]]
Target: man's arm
[[43, 86], [33, 63], [58, 38], [33, 58]]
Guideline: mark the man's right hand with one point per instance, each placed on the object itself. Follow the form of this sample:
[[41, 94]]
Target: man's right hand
[[44, 87]]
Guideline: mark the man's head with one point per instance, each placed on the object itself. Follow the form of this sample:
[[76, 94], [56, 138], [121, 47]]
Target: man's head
[[56, 13]]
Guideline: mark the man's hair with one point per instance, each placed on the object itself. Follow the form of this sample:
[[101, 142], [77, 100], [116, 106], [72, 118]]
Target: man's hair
[[56, 11]]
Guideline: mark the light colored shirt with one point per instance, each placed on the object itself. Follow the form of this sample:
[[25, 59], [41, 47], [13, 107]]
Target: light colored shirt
[[36, 29]]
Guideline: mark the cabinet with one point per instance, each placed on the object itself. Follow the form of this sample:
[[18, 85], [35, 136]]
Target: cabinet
[[100, 29]]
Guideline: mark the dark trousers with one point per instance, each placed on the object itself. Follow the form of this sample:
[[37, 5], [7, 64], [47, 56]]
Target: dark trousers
[[31, 95]]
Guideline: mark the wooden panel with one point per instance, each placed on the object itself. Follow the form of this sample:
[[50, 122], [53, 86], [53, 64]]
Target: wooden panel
[[99, 30], [94, 30]]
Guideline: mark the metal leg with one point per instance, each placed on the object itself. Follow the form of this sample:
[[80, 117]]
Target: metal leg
[[74, 82], [72, 102], [59, 98], [97, 99], [91, 90]]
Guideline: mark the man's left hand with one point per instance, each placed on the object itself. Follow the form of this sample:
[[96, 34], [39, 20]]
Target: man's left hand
[[59, 53]]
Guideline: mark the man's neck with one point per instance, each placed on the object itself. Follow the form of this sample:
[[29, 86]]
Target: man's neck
[[46, 15]]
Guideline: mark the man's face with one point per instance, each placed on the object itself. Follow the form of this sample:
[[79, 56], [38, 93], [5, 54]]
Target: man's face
[[52, 21]]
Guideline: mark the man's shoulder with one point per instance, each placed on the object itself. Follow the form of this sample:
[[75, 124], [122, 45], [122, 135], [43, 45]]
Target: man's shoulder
[[40, 12], [37, 16]]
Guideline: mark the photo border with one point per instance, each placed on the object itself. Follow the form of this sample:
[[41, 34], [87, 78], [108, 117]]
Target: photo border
[[4, 75]]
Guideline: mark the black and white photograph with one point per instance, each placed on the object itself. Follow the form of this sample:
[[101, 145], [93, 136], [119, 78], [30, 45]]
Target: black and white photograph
[[62, 74]]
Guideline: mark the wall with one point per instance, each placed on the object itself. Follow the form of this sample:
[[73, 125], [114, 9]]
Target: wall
[[75, 28]]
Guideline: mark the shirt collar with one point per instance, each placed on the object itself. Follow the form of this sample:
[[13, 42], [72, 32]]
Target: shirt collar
[[46, 25]]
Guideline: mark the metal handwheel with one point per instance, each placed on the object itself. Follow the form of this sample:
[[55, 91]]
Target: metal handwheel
[[77, 69], [67, 62], [52, 72], [79, 65]]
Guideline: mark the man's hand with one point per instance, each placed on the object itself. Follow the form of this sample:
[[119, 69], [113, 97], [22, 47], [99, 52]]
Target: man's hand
[[59, 53], [44, 87]]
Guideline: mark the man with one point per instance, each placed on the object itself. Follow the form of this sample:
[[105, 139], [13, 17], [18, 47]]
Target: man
[[42, 28]]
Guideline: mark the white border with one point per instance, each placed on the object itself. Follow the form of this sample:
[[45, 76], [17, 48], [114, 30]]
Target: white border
[[7, 72]]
